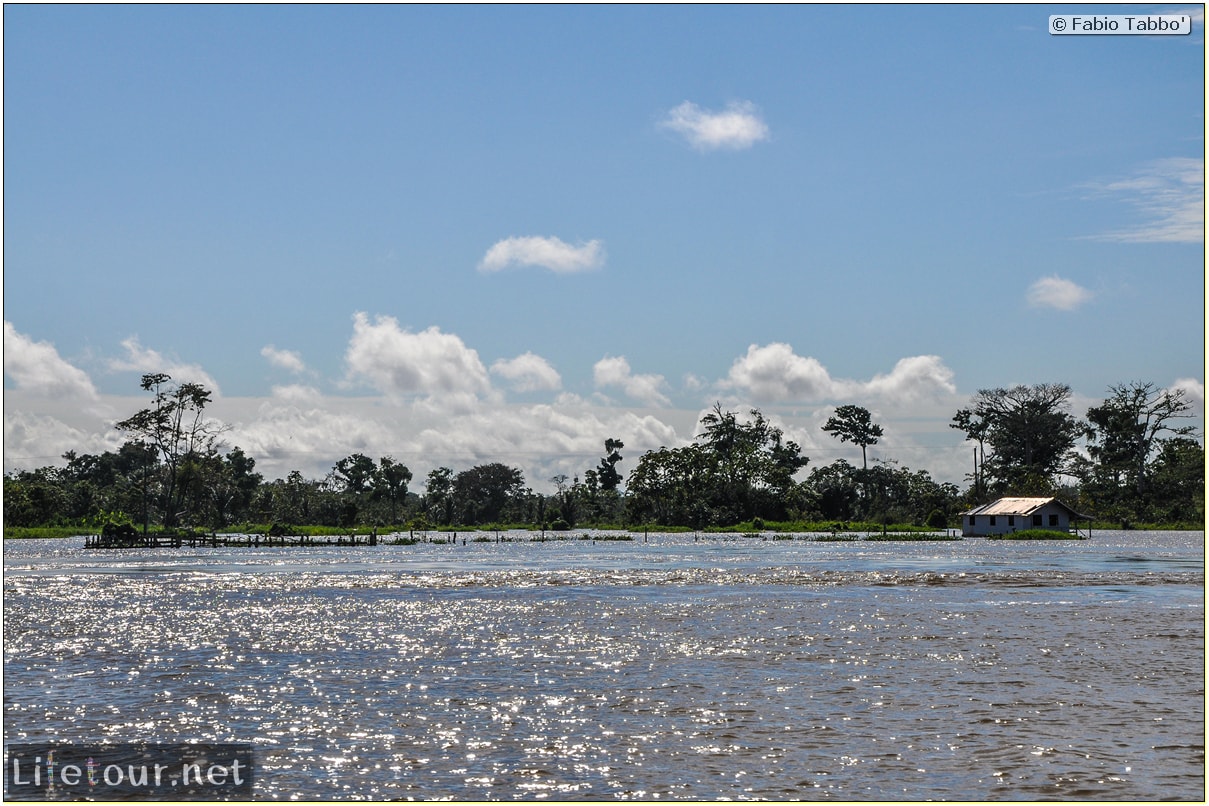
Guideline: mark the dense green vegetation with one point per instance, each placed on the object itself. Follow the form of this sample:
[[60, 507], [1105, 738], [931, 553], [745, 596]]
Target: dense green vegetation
[[1136, 465], [1036, 534]]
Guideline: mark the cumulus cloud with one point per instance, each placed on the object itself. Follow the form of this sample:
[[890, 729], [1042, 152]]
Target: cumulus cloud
[[914, 378], [285, 359], [644, 388], [36, 366], [296, 393], [299, 429], [737, 127], [775, 373], [528, 373], [145, 360], [547, 253], [1169, 195], [1194, 390], [1057, 292], [398, 362], [37, 440], [543, 440]]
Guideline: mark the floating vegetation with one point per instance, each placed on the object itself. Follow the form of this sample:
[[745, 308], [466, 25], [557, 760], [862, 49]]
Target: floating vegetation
[[1038, 534]]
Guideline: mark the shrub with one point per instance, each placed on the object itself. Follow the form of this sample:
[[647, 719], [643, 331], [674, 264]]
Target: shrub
[[1037, 534]]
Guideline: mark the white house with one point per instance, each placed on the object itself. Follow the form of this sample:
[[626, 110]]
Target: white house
[[1009, 515]]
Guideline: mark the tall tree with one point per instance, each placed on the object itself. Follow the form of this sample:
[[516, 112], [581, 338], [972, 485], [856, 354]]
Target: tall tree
[[1125, 437], [738, 469], [176, 426], [438, 494], [751, 465], [482, 492], [854, 424], [975, 428], [1177, 482], [1123, 432], [606, 473], [669, 486], [1031, 433], [355, 474], [390, 482]]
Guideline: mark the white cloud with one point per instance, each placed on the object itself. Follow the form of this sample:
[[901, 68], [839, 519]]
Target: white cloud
[[1057, 292], [1170, 196], [736, 127], [298, 394], [37, 367], [775, 373], [145, 360], [398, 362], [528, 373], [548, 253], [299, 429], [644, 388], [543, 440], [285, 359], [914, 378], [1194, 390], [37, 440]]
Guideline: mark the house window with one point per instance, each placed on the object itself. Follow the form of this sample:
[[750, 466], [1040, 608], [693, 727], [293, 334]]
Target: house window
[[1037, 519], [992, 520], [1011, 520], [1053, 520], [971, 520]]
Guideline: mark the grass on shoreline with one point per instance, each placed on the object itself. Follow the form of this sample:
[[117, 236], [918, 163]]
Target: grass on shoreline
[[830, 530], [1037, 534]]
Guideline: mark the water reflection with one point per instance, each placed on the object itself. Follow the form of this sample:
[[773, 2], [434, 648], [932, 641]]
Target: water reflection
[[676, 669]]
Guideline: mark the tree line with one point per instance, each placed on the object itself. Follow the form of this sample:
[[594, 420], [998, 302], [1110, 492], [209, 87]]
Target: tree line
[[1138, 464]]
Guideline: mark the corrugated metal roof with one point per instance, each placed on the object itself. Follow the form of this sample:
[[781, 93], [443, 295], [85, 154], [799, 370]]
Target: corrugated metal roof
[[1018, 506]]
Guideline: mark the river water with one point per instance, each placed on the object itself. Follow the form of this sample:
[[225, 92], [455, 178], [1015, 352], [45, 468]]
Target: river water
[[671, 668]]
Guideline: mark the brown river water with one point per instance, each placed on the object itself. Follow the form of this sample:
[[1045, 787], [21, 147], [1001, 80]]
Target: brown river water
[[673, 668]]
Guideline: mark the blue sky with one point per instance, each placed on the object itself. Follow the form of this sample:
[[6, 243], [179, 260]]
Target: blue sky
[[462, 234]]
